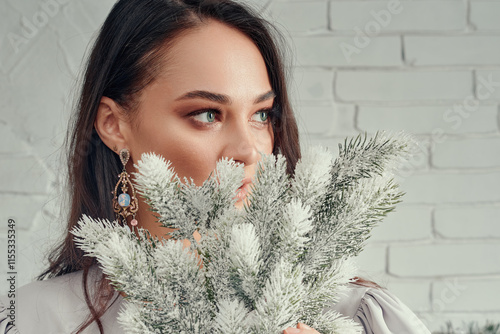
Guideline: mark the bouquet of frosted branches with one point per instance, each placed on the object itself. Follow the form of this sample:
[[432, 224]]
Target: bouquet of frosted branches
[[282, 259]]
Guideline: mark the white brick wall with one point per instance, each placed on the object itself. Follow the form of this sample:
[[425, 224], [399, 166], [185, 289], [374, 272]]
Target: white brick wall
[[399, 86], [325, 51], [434, 71], [446, 259], [484, 15], [452, 50], [431, 68], [475, 222], [399, 16], [422, 119]]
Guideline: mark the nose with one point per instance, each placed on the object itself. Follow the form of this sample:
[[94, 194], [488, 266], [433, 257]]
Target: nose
[[241, 144]]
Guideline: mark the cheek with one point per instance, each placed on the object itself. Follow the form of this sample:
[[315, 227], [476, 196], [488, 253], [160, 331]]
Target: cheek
[[265, 142], [192, 156], [192, 160]]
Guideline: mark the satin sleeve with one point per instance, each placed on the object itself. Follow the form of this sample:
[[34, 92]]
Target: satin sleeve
[[6, 327], [378, 311]]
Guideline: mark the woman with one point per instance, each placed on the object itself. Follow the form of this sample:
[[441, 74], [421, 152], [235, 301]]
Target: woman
[[191, 80]]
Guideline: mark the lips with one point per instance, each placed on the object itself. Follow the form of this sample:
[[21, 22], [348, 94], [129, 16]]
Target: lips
[[244, 189]]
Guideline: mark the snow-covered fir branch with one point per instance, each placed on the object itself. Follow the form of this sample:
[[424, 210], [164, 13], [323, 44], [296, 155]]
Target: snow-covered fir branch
[[284, 258]]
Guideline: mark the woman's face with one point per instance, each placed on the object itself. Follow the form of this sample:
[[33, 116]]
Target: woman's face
[[210, 101]]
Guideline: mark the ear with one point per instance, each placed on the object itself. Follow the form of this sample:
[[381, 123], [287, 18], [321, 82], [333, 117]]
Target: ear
[[109, 124]]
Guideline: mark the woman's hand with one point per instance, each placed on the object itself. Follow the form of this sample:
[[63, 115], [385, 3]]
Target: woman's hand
[[301, 329]]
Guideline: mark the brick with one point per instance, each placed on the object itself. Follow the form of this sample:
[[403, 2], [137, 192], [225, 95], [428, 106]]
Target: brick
[[344, 118], [372, 260], [299, 16], [403, 85], [404, 224], [313, 85], [433, 260], [414, 294], [23, 175], [424, 119], [462, 295], [326, 120], [439, 15], [467, 153], [439, 188], [341, 51], [314, 119], [484, 15], [452, 50], [488, 84], [467, 222]]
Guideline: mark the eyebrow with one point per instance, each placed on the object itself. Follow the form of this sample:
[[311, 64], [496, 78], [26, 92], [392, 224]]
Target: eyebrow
[[221, 98]]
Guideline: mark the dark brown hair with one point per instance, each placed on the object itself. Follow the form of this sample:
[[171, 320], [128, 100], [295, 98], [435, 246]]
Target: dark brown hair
[[125, 58]]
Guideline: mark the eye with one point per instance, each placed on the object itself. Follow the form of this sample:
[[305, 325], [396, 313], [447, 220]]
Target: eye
[[205, 116], [262, 115]]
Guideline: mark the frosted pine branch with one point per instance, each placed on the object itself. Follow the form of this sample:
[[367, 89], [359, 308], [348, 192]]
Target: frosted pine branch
[[285, 258], [312, 176], [245, 255], [232, 317], [281, 299]]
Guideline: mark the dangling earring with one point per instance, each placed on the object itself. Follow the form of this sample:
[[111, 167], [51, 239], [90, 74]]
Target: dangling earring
[[125, 204]]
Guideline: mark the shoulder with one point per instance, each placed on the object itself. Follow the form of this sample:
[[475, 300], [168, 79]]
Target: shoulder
[[41, 304], [56, 305], [377, 310]]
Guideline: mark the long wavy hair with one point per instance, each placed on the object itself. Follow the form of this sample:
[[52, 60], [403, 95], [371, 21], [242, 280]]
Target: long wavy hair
[[125, 58]]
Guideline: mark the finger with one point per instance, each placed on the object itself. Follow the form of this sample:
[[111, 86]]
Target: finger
[[197, 236], [308, 329], [291, 330], [301, 325]]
